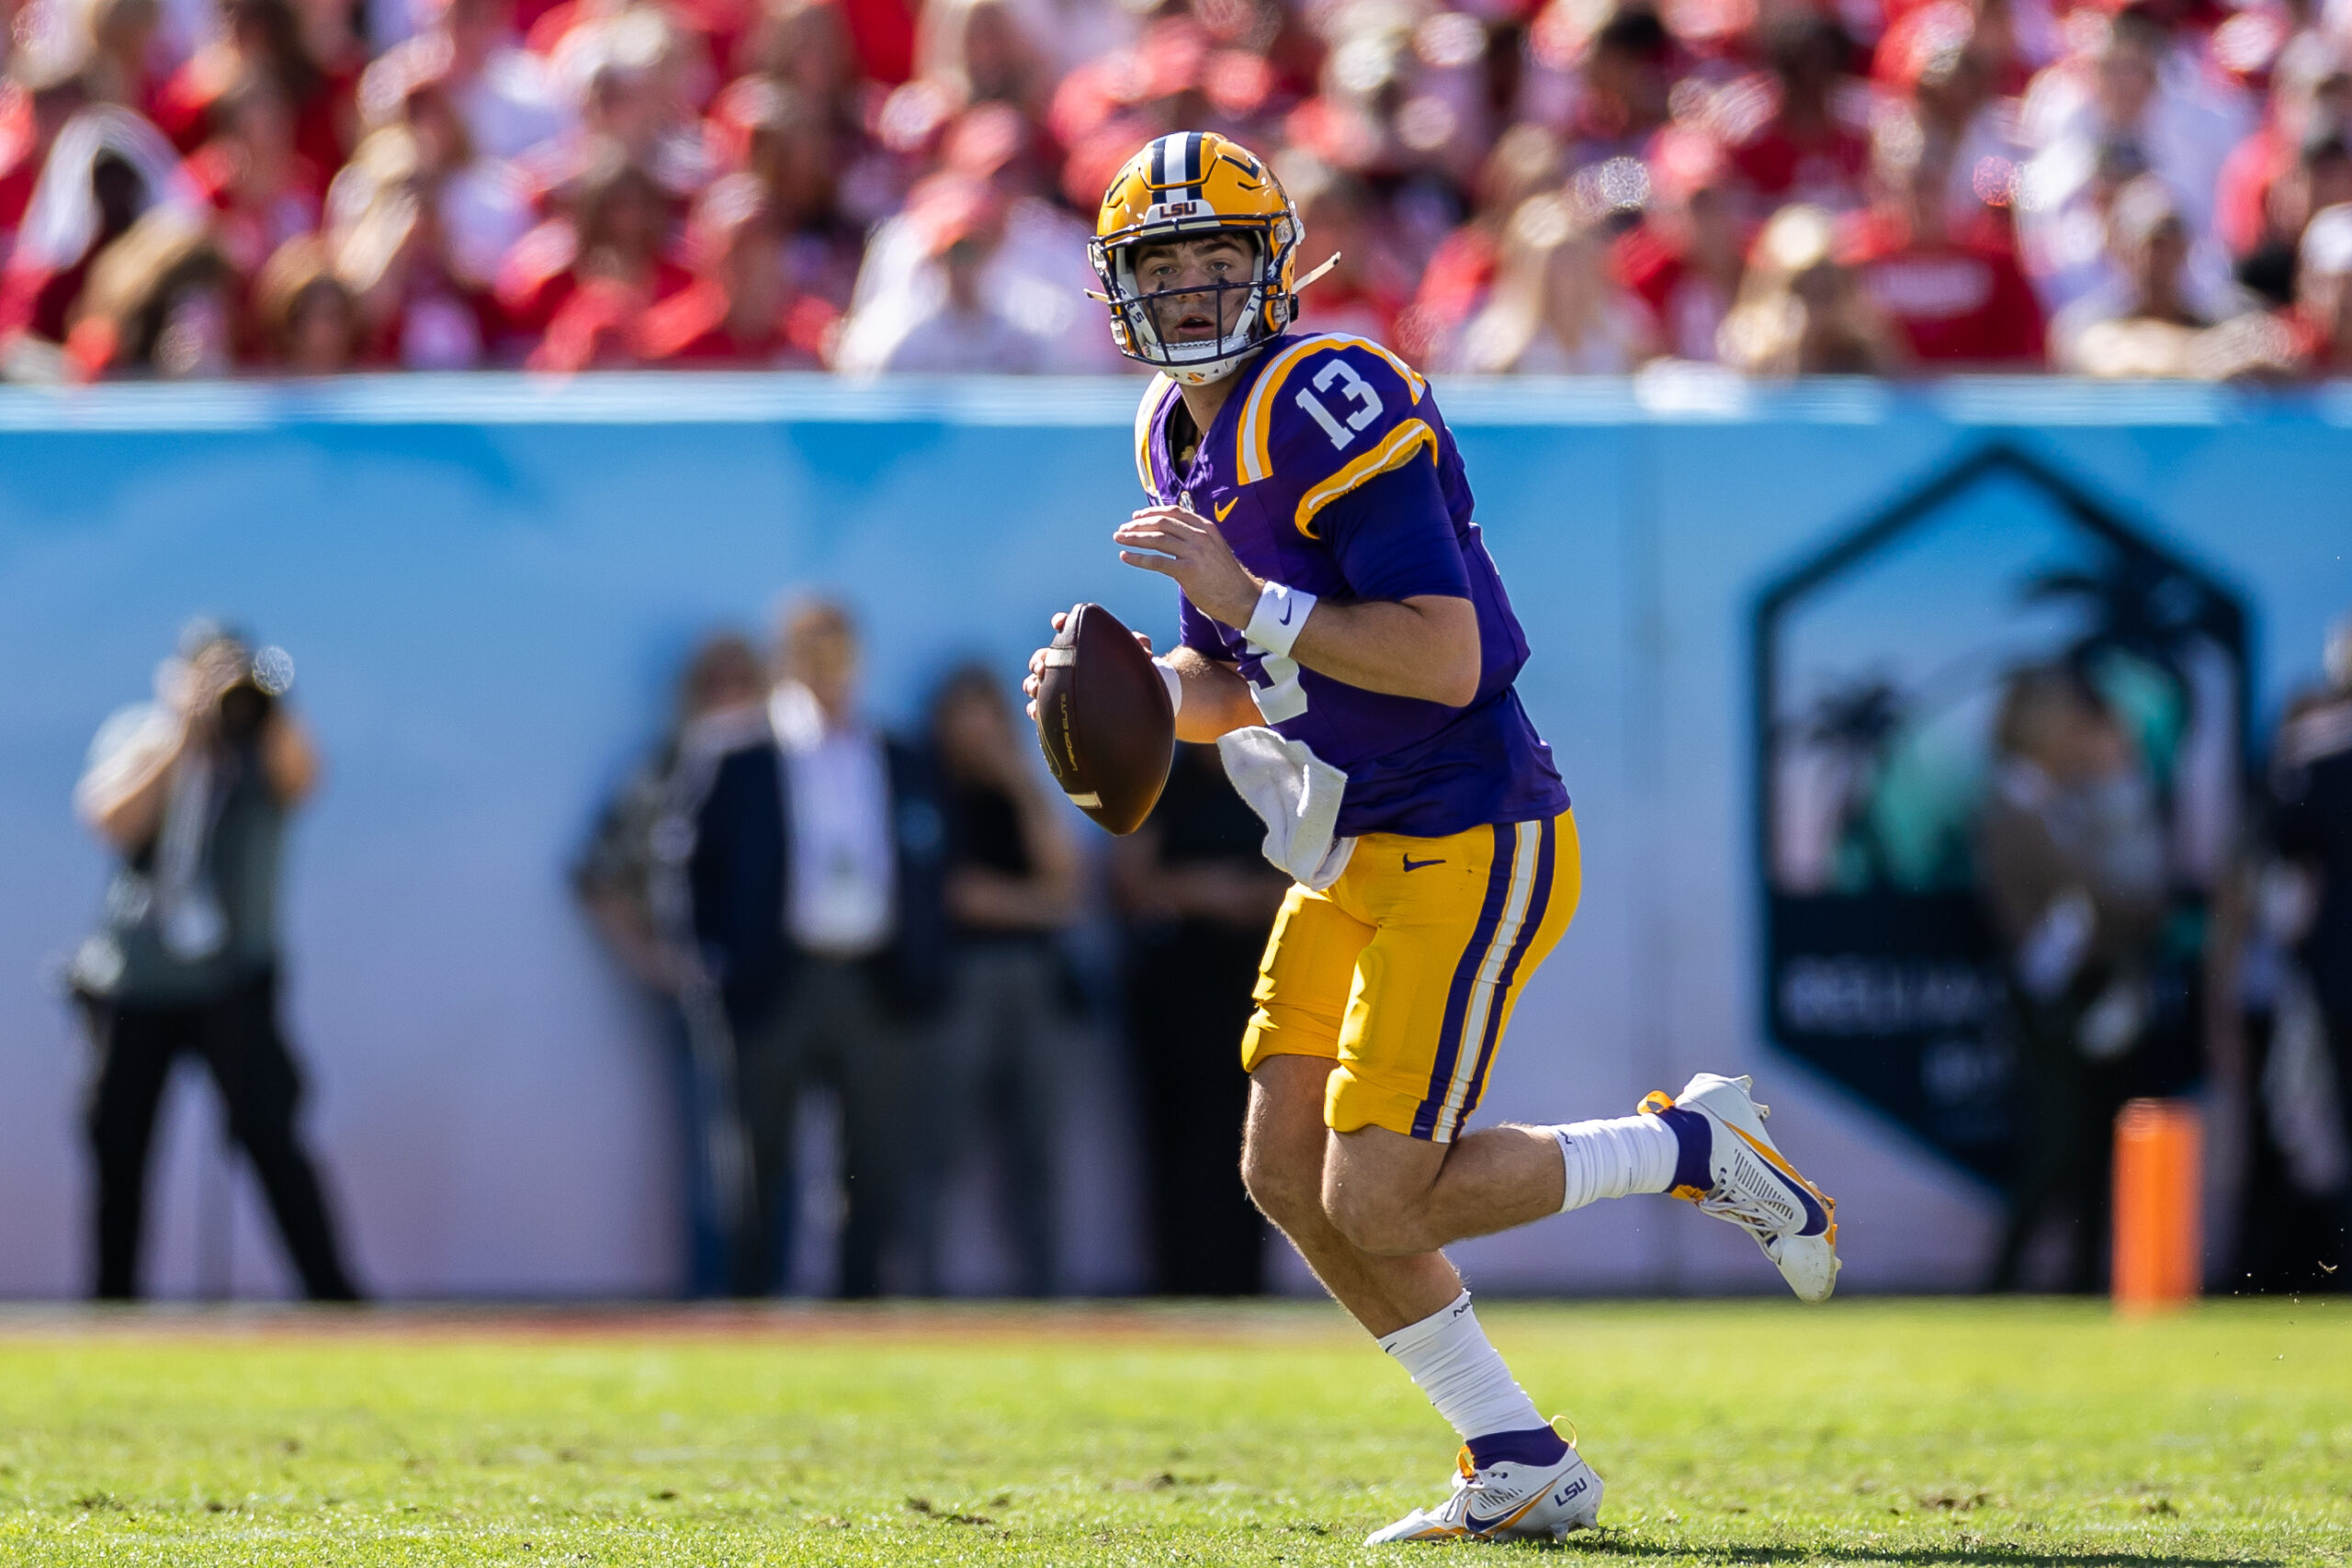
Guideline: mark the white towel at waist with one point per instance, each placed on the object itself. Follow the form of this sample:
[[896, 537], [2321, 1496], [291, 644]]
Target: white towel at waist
[[1296, 794]]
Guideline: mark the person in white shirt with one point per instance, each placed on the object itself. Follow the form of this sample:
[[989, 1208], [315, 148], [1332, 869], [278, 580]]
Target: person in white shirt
[[1554, 309], [962, 331], [510, 100], [1008, 299], [2139, 102], [815, 870]]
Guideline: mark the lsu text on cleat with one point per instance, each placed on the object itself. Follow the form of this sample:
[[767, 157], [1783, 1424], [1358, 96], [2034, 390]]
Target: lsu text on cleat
[[1506, 1502]]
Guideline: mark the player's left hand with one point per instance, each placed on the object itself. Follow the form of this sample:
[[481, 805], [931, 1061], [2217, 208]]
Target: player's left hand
[[1184, 545], [1037, 666]]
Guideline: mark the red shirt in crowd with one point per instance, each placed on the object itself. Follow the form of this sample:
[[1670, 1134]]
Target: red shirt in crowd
[[541, 274], [590, 321], [1453, 285], [1824, 166], [1336, 306], [183, 110], [690, 328], [883, 33], [1961, 299], [2310, 341], [1918, 30], [36, 301], [2242, 193], [248, 235], [21, 156]]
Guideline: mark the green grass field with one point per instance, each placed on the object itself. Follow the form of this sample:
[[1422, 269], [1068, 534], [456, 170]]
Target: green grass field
[[1762, 1433]]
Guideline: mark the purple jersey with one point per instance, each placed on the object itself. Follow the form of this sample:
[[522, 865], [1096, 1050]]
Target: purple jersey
[[1330, 468]]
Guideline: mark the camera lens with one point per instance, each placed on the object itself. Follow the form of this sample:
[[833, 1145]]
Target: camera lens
[[244, 708]]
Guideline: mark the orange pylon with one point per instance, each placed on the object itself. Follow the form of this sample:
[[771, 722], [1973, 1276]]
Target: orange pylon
[[2159, 1244]]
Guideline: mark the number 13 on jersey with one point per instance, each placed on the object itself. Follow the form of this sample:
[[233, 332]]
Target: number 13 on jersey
[[1353, 386]]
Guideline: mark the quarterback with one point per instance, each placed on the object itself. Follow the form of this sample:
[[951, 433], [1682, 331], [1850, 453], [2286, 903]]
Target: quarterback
[[1348, 644]]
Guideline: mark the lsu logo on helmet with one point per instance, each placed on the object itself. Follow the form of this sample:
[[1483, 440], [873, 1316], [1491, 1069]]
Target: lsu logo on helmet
[[1186, 185]]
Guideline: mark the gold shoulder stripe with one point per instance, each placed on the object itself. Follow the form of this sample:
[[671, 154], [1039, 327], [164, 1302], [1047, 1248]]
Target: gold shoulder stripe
[[1393, 453], [1153, 394], [1250, 431], [1253, 435], [1412, 377]]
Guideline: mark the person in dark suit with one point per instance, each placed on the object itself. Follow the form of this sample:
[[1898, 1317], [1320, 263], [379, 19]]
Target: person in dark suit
[[1197, 897], [814, 880], [632, 886], [2310, 827]]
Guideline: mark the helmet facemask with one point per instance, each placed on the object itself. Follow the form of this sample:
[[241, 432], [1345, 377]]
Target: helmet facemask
[[1147, 314], [1135, 313]]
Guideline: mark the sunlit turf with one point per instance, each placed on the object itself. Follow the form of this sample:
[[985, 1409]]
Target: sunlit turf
[[1876, 1432]]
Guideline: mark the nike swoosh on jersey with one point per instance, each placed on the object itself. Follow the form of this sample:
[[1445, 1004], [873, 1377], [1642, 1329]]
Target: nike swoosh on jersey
[[1412, 864], [1226, 510]]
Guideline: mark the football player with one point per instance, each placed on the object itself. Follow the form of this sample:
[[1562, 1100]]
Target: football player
[[1347, 641]]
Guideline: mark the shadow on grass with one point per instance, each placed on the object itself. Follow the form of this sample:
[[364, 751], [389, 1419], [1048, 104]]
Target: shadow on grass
[[1606, 1544]]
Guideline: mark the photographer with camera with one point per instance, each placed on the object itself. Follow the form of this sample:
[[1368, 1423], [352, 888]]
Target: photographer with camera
[[192, 792]]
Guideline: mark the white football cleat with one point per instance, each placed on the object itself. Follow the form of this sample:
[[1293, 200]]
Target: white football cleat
[[1755, 1188], [1506, 1502]]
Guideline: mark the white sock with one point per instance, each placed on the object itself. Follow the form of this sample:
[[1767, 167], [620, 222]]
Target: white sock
[[1449, 1359], [1614, 1157]]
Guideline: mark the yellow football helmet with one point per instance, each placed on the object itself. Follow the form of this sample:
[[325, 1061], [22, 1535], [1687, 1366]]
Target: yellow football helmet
[[1186, 185]]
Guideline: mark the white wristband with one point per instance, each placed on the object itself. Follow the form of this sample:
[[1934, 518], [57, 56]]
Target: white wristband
[[1280, 617], [1175, 683]]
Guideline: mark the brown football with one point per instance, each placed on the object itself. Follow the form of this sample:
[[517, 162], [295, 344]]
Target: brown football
[[1104, 719]]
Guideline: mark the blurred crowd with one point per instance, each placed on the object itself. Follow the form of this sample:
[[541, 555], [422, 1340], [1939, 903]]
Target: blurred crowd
[[204, 187], [820, 912]]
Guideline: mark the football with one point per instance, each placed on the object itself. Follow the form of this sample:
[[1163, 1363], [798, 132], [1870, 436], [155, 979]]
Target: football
[[1104, 720]]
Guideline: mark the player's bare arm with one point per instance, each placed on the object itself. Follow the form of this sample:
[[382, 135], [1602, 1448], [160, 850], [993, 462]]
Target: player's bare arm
[[1426, 647], [1216, 699]]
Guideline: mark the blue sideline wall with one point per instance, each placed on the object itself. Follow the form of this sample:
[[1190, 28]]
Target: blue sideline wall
[[486, 584]]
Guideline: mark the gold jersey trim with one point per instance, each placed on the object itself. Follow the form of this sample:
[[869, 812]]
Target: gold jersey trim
[[1394, 453], [1254, 432], [1154, 398]]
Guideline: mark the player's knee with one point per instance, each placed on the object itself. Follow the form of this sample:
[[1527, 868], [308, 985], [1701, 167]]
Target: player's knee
[[1374, 1222], [1285, 1188]]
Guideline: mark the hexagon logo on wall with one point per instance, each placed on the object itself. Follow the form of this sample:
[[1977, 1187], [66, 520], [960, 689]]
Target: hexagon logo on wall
[[1904, 682]]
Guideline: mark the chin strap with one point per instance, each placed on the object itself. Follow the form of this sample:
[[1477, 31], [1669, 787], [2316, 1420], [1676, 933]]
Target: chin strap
[[1300, 286]]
